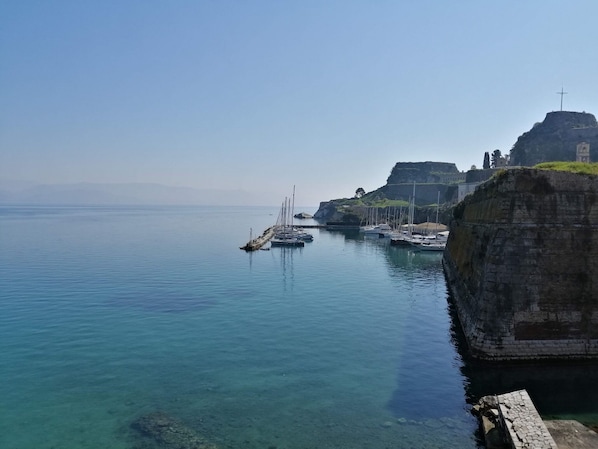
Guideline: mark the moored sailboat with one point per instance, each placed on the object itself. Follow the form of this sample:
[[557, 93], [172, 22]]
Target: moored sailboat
[[433, 242], [285, 233]]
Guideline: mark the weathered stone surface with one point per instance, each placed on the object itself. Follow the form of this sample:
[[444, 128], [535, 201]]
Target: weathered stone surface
[[421, 172], [510, 420], [522, 266], [492, 434], [525, 428], [491, 426], [570, 434], [169, 433]]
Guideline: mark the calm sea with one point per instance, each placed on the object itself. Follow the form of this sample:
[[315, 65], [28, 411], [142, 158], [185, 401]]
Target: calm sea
[[111, 313]]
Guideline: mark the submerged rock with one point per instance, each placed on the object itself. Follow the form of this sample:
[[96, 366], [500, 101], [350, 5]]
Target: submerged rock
[[169, 433], [487, 411]]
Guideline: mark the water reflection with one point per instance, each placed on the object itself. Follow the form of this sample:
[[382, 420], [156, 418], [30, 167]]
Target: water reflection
[[564, 389], [404, 258], [285, 255], [346, 234], [421, 393], [559, 389]]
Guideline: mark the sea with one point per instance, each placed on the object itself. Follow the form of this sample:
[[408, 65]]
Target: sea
[[112, 314]]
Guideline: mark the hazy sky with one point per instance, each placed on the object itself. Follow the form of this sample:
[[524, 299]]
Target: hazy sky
[[264, 95]]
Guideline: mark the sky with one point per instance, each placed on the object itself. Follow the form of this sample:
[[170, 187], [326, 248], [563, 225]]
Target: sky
[[263, 95]]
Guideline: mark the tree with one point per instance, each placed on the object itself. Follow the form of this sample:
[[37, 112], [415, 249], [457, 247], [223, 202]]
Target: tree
[[359, 192], [496, 155], [486, 161]]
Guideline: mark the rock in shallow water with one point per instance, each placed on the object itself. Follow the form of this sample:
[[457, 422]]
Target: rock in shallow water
[[169, 433]]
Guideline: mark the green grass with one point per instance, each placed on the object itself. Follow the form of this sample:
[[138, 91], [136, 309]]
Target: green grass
[[388, 203], [573, 167], [366, 202]]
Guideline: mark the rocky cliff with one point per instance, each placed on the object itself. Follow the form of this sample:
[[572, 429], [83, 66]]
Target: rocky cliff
[[522, 265], [421, 172], [431, 178], [556, 139]]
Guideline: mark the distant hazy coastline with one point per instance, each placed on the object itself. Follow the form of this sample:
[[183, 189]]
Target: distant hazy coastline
[[23, 192]]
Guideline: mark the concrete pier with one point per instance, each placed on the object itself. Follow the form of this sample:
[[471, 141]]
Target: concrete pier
[[258, 242], [511, 421], [523, 424]]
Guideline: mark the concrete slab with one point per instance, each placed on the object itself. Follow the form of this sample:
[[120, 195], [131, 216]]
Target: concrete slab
[[571, 434], [524, 426]]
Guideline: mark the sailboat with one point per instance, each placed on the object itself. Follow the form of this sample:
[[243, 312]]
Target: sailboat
[[286, 234], [372, 226], [436, 242], [407, 237], [283, 235]]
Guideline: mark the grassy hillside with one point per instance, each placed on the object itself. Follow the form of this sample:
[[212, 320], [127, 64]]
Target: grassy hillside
[[573, 167]]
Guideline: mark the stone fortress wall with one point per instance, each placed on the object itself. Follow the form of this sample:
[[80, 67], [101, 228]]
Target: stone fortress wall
[[522, 266]]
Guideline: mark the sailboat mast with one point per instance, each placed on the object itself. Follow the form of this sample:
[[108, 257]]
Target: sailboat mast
[[293, 208], [280, 220], [412, 211], [437, 207]]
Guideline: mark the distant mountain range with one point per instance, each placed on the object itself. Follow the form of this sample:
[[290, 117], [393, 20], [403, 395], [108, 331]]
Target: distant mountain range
[[21, 192]]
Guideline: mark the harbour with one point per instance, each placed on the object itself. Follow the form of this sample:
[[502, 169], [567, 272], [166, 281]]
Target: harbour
[[433, 287], [288, 347], [257, 243], [351, 342]]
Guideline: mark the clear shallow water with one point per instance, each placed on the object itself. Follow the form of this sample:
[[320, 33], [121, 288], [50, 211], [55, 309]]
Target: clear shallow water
[[111, 313]]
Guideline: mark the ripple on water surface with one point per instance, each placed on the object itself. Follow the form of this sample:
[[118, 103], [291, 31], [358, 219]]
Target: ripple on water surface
[[111, 314]]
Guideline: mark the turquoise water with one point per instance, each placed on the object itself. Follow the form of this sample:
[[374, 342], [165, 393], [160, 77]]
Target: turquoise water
[[112, 313]]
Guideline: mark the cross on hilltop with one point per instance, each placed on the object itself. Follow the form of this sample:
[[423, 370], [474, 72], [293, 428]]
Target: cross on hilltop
[[562, 93]]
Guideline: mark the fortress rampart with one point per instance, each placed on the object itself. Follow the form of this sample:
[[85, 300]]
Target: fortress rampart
[[522, 266]]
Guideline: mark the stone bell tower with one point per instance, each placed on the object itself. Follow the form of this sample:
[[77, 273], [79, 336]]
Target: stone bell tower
[[583, 152]]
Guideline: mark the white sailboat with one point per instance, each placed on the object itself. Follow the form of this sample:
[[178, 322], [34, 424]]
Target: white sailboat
[[406, 237], [372, 227], [434, 242], [286, 234]]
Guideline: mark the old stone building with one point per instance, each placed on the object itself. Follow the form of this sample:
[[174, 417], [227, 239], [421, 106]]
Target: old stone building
[[583, 152]]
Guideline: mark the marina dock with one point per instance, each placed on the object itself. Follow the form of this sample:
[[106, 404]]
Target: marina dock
[[258, 242]]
